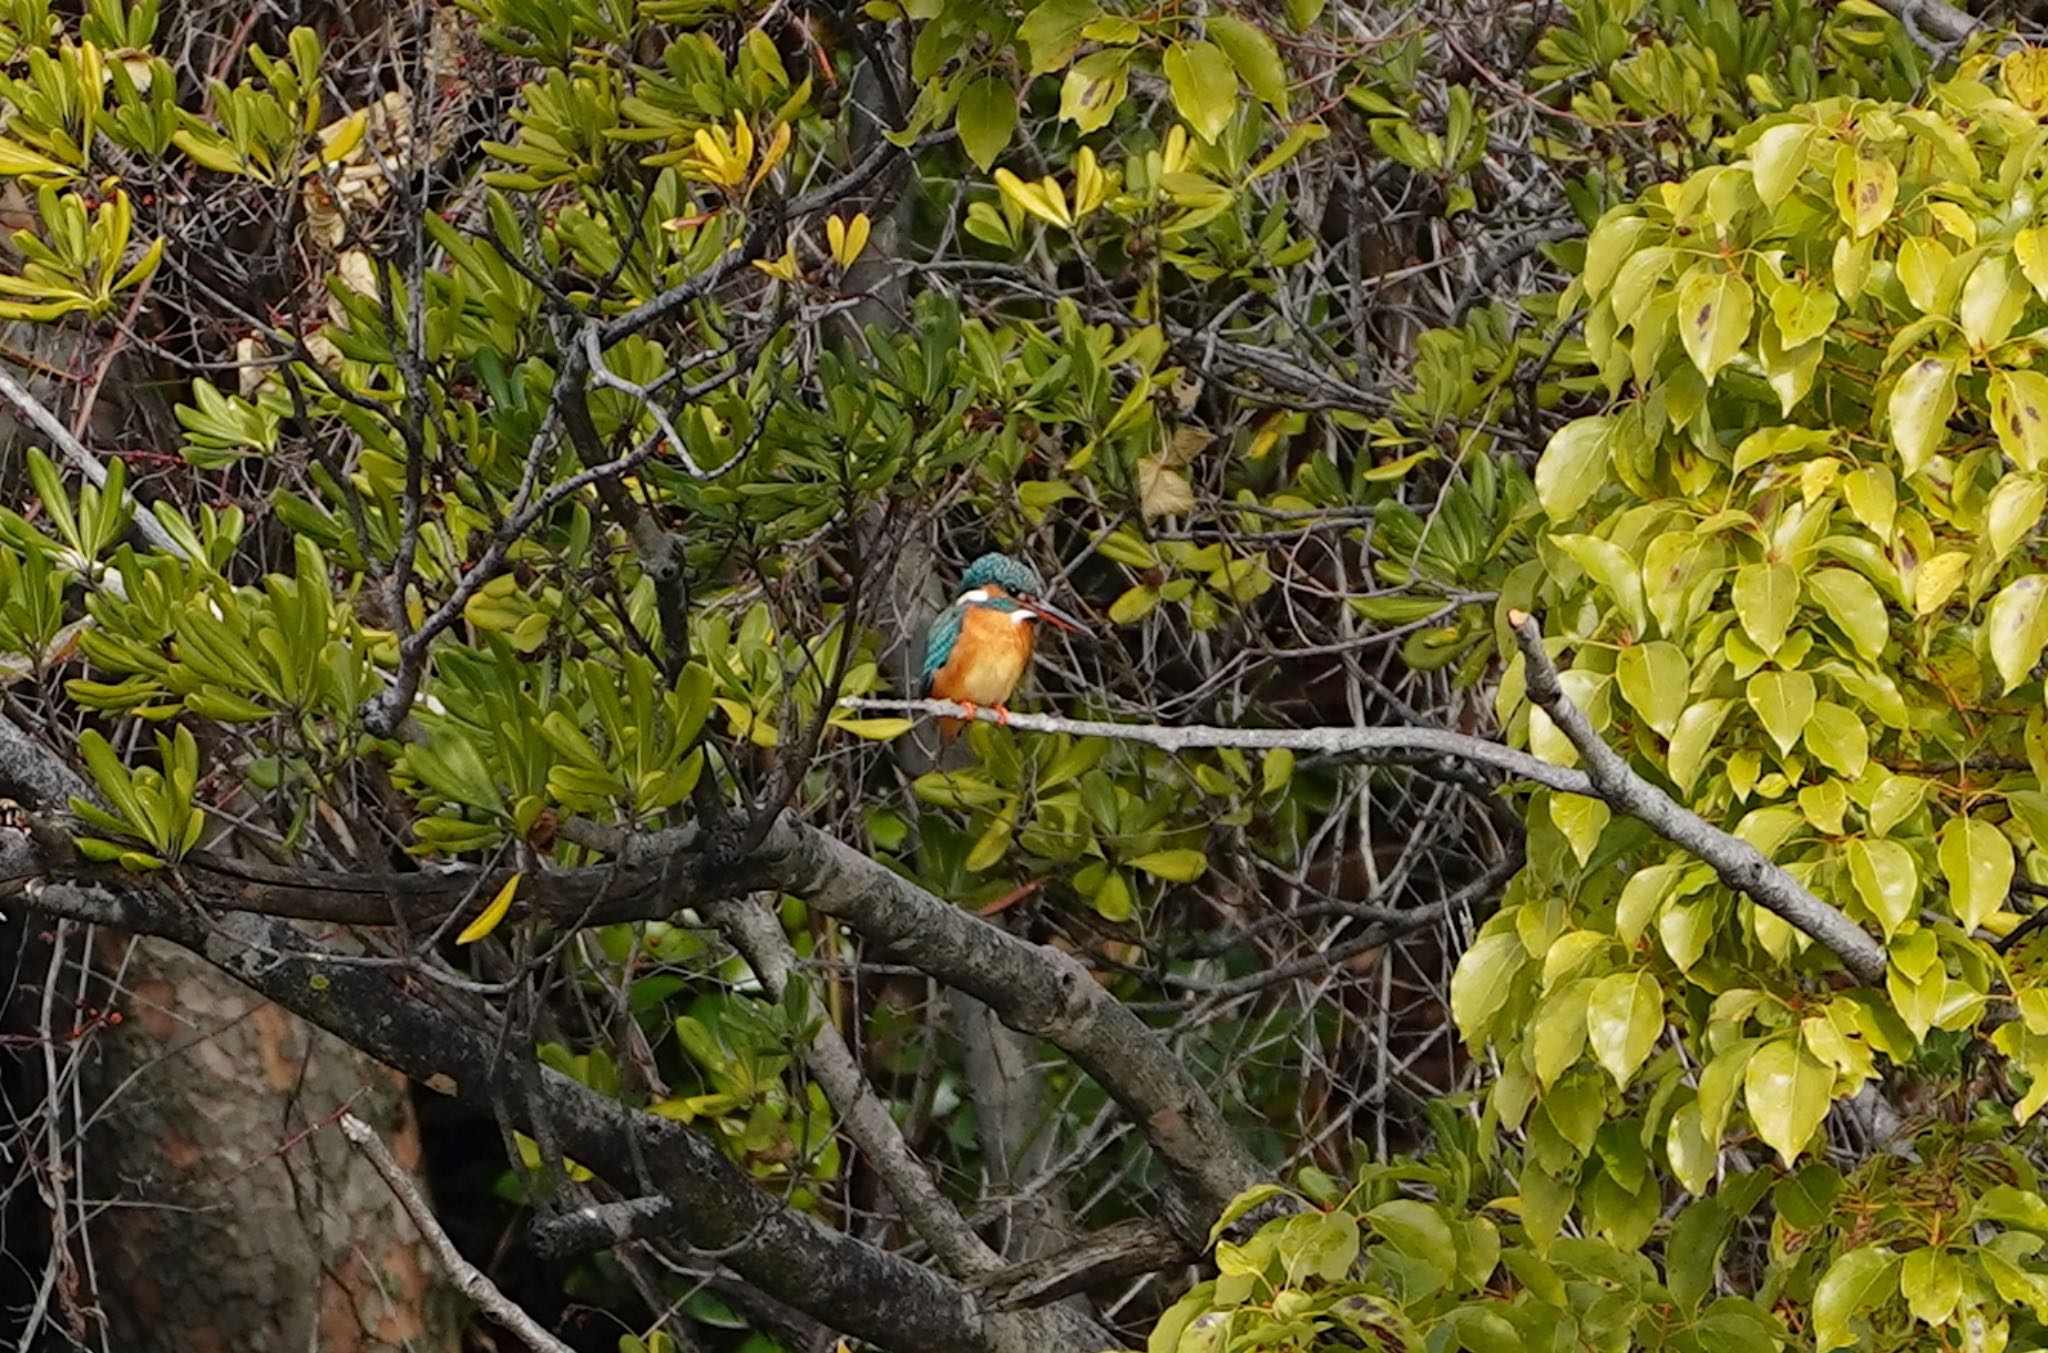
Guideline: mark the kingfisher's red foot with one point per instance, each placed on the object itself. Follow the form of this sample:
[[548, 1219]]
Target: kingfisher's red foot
[[969, 706], [1003, 715]]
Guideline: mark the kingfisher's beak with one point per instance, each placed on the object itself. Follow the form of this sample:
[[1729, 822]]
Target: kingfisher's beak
[[1047, 611]]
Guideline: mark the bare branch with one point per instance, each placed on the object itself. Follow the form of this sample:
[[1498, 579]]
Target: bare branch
[[1741, 866], [757, 933], [1365, 744], [468, 1277], [83, 460]]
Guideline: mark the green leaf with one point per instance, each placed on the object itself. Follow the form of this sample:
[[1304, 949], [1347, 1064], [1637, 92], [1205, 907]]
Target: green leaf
[[1417, 1230], [1203, 84], [1787, 1090], [1655, 678], [1783, 701], [1052, 30], [1624, 1020], [1715, 307], [986, 119], [1175, 866], [1256, 58], [1766, 597], [1919, 409], [1574, 466], [1931, 1280], [1852, 602], [1977, 862], [1856, 1282], [1886, 879]]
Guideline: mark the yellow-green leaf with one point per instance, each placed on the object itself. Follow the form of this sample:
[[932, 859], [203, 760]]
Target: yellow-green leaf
[[1865, 190], [2014, 627], [1203, 84], [1852, 602], [1175, 866], [1783, 701], [1778, 159], [1093, 88], [1573, 467], [2014, 510], [2019, 414], [1766, 596], [1655, 677], [1919, 408], [1837, 736], [1991, 304], [1256, 58], [877, 730], [494, 913], [1787, 1090], [1715, 307], [1873, 496], [1480, 985], [1976, 859], [1624, 1020], [1693, 739], [1923, 261], [1938, 579], [1859, 1280], [1886, 879]]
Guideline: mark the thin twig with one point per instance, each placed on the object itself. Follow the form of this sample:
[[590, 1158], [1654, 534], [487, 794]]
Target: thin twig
[[74, 451], [468, 1277]]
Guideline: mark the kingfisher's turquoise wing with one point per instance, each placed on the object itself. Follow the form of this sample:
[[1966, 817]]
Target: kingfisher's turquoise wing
[[939, 647]]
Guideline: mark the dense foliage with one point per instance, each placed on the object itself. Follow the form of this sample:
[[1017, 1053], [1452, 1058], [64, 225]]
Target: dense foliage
[[575, 402]]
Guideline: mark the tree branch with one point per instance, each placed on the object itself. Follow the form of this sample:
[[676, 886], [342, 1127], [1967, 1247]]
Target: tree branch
[[843, 1282], [85, 461], [1741, 866], [469, 1279], [753, 930], [1032, 988], [1365, 744]]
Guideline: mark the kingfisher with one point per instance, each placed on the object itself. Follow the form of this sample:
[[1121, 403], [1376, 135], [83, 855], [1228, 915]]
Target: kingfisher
[[981, 644]]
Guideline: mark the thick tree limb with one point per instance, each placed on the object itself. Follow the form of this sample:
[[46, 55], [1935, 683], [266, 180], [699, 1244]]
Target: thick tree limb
[[1116, 1253], [1741, 866], [1032, 988], [843, 1282]]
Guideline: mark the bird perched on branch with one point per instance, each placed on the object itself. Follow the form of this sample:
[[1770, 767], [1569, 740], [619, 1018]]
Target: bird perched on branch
[[981, 644]]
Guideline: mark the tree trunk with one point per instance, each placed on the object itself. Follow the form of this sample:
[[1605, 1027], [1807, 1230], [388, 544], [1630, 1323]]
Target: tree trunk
[[245, 1221]]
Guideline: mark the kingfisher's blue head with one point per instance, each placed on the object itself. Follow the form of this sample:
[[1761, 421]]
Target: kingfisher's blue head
[[1014, 576]]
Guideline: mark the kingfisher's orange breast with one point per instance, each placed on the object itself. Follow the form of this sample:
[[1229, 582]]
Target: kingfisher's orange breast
[[988, 659]]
